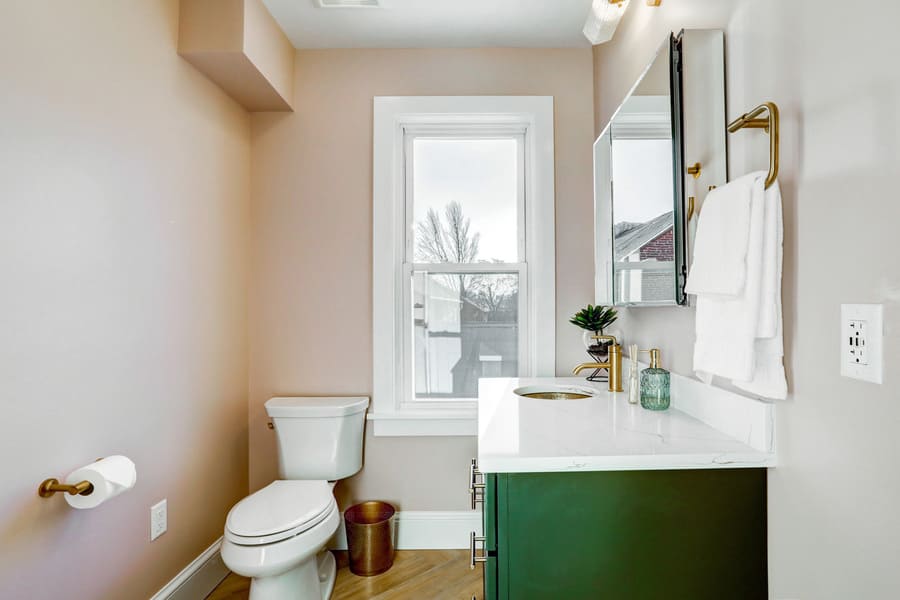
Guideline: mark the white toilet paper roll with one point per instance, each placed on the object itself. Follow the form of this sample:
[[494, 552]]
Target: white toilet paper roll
[[110, 477]]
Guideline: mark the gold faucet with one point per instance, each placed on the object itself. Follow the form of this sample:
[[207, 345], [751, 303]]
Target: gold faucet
[[613, 364]]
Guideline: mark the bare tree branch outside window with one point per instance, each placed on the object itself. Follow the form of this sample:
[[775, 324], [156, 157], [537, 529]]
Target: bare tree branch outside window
[[449, 239]]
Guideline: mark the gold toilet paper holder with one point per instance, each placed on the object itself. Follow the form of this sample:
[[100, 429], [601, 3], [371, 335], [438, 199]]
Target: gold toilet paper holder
[[50, 486]]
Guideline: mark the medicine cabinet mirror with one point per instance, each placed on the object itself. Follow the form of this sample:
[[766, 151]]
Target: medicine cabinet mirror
[[663, 144]]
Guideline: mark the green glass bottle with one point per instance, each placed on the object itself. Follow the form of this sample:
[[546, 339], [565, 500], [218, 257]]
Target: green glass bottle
[[655, 384]]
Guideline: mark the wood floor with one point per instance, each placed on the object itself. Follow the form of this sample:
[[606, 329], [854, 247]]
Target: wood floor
[[416, 574]]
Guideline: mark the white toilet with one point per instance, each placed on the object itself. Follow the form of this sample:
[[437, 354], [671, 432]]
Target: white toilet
[[277, 535]]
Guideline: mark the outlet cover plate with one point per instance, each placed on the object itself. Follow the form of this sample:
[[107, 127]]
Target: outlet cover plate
[[159, 517], [862, 338]]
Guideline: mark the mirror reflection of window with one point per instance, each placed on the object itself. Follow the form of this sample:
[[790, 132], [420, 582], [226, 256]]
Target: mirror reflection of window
[[643, 215], [643, 229]]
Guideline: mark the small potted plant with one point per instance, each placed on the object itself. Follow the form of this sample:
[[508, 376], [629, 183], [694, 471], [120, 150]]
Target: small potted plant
[[594, 319]]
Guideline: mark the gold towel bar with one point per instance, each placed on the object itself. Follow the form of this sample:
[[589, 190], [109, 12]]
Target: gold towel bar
[[50, 486], [748, 120], [770, 124]]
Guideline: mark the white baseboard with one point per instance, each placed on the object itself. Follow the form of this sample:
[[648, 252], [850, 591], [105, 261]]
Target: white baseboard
[[414, 530], [197, 579], [426, 530]]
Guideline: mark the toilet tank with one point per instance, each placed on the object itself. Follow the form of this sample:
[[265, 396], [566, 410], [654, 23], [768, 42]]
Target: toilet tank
[[318, 438]]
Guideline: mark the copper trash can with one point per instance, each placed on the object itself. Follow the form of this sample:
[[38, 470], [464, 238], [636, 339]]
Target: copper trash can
[[370, 537]]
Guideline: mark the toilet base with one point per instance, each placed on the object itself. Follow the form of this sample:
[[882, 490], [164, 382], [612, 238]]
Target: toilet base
[[311, 580], [327, 572]]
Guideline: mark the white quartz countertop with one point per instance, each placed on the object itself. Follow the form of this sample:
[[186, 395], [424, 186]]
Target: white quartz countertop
[[606, 433]]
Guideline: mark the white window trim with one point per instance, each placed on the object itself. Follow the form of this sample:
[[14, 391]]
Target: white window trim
[[391, 115]]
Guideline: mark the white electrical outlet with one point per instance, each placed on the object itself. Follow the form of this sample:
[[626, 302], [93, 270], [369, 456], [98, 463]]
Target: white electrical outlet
[[862, 333], [159, 518]]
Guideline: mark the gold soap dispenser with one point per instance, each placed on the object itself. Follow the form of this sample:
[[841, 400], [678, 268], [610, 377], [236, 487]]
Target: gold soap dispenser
[[655, 383]]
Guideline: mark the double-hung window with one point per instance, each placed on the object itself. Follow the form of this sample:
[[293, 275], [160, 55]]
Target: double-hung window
[[463, 267]]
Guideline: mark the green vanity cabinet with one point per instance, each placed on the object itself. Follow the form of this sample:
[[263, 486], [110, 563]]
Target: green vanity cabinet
[[680, 534]]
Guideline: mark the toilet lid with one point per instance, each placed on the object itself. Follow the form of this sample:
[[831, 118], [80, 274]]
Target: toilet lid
[[280, 506]]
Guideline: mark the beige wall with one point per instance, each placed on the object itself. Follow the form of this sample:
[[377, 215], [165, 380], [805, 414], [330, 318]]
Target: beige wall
[[833, 518], [311, 292], [124, 186]]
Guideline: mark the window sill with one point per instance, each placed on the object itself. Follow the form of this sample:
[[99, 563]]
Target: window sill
[[424, 423]]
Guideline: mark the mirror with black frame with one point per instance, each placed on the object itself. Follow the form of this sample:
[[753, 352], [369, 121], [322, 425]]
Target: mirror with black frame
[[641, 222]]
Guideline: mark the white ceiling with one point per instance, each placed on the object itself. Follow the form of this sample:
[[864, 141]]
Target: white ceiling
[[434, 24]]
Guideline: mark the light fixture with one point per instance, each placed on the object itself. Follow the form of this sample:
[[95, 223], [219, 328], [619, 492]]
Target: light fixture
[[603, 19], [654, 2]]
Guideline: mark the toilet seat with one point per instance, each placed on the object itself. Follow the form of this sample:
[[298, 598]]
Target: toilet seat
[[281, 510]]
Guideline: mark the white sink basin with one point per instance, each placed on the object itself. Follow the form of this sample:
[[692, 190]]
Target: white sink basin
[[554, 392]]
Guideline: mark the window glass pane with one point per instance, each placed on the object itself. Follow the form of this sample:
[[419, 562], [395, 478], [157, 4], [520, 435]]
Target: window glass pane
[[465, 200], [464, 327]]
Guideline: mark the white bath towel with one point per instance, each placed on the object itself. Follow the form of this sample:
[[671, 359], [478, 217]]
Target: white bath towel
[[739, 335], [768, 378], [720, 245]]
